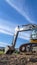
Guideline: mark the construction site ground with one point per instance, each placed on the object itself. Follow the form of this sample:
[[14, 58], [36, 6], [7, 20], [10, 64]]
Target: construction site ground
[[19, 59]]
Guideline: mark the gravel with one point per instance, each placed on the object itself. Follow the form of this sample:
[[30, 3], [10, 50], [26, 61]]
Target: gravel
[[18, 59]]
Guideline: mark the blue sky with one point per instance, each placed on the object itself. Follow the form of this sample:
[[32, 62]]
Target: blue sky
[[14, 13]]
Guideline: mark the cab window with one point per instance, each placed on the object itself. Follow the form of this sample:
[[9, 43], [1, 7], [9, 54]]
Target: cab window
[[34, 34]]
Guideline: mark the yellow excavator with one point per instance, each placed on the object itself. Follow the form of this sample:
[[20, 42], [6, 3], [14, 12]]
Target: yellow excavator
[[26, 47]]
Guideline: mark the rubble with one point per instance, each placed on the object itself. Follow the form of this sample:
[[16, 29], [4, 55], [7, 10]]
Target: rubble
[[18, 59]]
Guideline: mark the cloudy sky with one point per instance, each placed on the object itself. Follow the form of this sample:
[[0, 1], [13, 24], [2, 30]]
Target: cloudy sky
[[12, 14]]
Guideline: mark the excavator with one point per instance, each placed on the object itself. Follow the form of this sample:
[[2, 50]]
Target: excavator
[[26, 47]]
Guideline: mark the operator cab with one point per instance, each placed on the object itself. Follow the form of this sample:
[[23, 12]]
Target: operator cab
[[33, 39], [34, 36]]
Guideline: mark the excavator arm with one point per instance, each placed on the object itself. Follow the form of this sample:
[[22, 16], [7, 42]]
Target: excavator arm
[[20, 29]]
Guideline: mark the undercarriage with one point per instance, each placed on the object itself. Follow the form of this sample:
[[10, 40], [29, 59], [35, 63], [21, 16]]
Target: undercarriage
[[28, 47]]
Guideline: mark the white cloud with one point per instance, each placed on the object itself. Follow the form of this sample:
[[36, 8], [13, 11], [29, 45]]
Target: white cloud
[[19, 8], [6, 32], [3, 44], [9, 29], [6, 27], [24, 35]]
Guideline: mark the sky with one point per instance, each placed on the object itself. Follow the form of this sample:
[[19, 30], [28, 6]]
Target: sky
[[12, 14]]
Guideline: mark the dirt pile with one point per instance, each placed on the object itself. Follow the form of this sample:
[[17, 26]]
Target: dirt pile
[[18, 59]]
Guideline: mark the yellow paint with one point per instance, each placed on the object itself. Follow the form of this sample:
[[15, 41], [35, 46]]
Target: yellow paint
[[33, 41]]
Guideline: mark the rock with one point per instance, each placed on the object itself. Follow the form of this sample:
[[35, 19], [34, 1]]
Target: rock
[[18, 59]]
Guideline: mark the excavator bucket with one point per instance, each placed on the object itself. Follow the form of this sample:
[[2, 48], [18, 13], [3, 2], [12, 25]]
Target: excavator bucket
[[9, 50]]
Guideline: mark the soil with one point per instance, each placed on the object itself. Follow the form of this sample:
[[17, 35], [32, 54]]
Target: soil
[[18, 59]]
